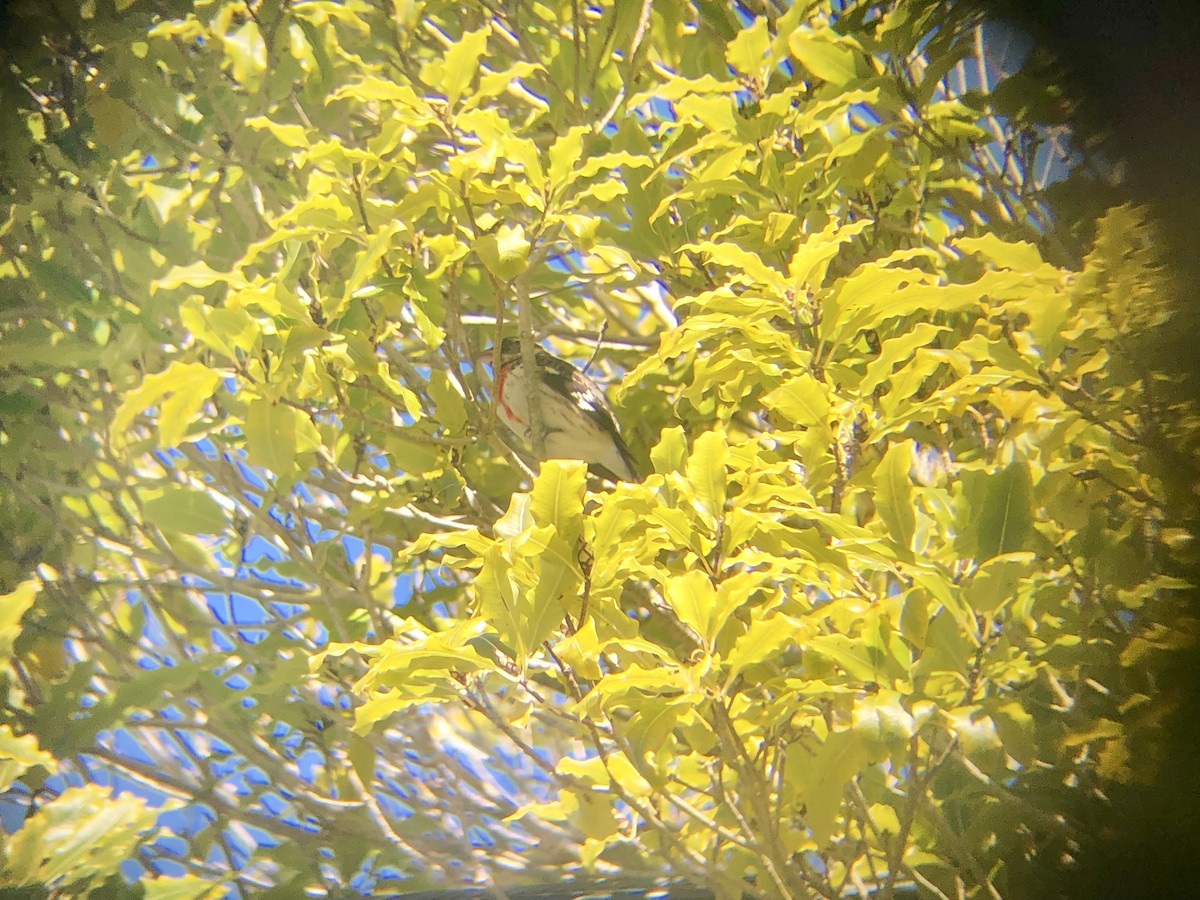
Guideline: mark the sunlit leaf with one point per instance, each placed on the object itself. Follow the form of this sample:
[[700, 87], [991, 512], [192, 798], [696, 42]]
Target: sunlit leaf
[[894, 494], [181, 390], [462, 62], [18, 754], [692, 598], [557, 498], [819, 779], [13, 607], [275, 434], [746, 51], [823, 56], [803, 401], [706, 473], [505, 253]]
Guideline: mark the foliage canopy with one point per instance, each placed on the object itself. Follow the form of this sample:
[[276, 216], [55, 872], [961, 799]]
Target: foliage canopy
[[888, 610]]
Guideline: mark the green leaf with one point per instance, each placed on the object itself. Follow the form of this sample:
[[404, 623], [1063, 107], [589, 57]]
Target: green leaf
[[564, 154], [362, 758], [747, 52], [367, 263], [525, 152], [398, 663], [517, 519], [187, 887], [802, 401], [462, 62], [225, 330], [505, 253], [995, 582], [867, 288], [818, 781], [589, 812], [275, 434], [293, 136], [1005, 517], [13, 607], [1015, 725], [182, 389], [883, 722], [734, 591], [605, 162], [496, 590], [897, 350], [247, 53], [18, 755], [940, 587], [706, 474], [976, 733], [670, 453], [557, 498], [449, 403], [88, 831], [653, 722], [679, 527], [860, 660], [372, 89], [819, 53], [692, 597], [1019, 256], [184, 510], [765, 639], [894, 493], [113, 120], [740, 260], [904, 292], [948, 650], [556, 590], [811, 260]]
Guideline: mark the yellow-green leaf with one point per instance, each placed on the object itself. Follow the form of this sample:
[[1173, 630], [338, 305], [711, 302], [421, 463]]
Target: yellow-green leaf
[[565, 153], [505, 252], [692, 597], [894, 495], [496, 591], [247, 53], [224, 330], [557, 497], [706, 473], [19, 754], [818, 780], [995, 582], [669, 453], [13, 606], [182, 389], [802, 401], [184, 510], [819, 54], [462, 62], [362, 758], [275, 434], [747, 52], [764, 639]]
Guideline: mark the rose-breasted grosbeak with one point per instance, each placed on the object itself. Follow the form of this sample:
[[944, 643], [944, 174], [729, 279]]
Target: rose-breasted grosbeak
[[579, 422]]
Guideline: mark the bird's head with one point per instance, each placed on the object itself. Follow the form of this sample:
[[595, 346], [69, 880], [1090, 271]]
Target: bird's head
[[510, 347]]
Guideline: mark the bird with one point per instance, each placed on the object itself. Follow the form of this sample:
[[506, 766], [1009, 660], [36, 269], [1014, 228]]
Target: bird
[[579, 422]]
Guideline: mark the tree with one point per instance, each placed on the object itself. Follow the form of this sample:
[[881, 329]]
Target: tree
[[888, 609]]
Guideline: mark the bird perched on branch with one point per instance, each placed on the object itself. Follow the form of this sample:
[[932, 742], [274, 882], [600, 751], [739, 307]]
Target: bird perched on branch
[[579, 422]]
